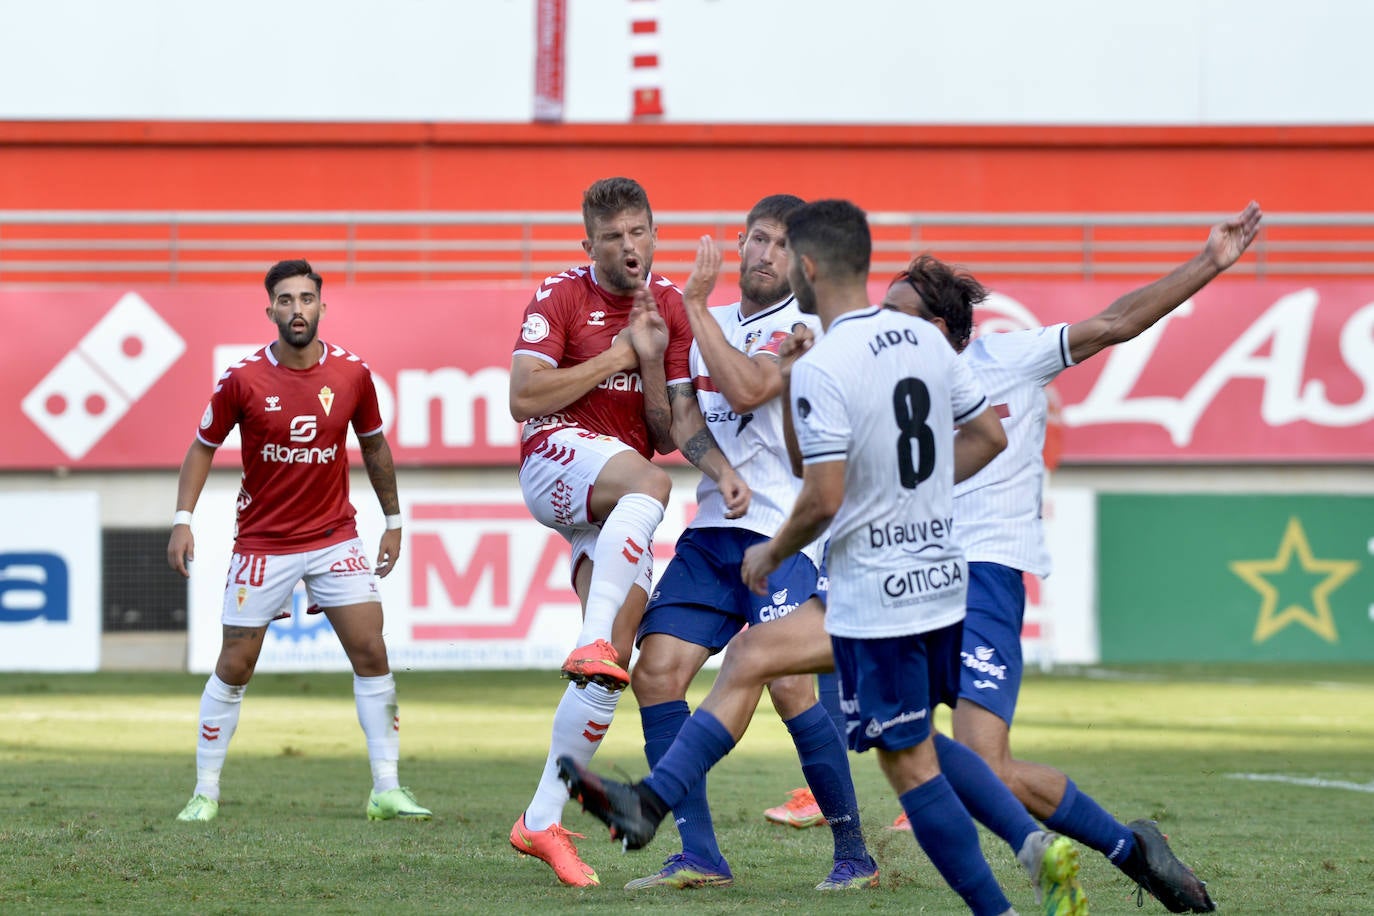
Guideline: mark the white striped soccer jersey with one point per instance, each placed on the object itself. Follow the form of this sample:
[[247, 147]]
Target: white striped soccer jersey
[[752, 442], [998, 509], [883, 392]]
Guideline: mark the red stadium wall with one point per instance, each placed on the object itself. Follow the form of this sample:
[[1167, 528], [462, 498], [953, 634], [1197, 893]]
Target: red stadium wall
[[268, 166]]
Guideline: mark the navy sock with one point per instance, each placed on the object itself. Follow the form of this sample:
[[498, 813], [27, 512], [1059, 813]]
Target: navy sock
[[985, 796], [828, 689], [947, 834], [701, 742], [692, 814], [1081, 818], [826, 767]]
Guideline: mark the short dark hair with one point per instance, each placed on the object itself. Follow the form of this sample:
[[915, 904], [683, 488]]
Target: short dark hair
[[776, 207], [947, 292], [834, 233], [610, 196], [299, 267]]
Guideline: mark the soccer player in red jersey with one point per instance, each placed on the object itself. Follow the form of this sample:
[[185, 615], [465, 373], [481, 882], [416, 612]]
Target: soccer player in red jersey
[[600, 379], [293, 401]]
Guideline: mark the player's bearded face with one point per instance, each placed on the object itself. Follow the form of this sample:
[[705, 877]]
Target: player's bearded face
[[297, 330], [295, 310], [622, 248], [764, 263]]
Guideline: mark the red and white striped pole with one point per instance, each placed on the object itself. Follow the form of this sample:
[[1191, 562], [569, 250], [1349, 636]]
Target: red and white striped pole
[[646, 87], [549, 23]]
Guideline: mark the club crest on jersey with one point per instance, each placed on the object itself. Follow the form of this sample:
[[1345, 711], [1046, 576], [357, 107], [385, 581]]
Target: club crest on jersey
[[326, 399], [274, 403], [750, 339], [596, 318]]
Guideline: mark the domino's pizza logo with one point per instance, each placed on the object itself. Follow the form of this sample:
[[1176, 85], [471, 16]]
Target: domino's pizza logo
[[97, 382]]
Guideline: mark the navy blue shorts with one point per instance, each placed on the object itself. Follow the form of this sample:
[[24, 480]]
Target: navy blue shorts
[[889, 687], [992, 666], [700, 598]]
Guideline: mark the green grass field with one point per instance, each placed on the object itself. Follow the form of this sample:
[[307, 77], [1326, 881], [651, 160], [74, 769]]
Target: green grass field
[[93, 769]]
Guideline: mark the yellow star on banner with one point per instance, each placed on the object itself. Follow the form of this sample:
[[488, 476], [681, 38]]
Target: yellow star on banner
[[1318, 618]]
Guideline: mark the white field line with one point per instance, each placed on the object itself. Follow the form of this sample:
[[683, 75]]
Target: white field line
[[1109, 674], [1310, 781]]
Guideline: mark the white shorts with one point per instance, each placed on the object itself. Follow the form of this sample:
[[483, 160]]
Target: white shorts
[[258, 587], [557, 483]]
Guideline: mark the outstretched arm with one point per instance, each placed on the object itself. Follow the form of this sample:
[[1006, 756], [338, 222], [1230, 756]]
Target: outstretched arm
[[1139, 309], [381, 470]]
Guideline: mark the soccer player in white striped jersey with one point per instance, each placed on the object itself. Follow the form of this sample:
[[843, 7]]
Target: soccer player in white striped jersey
[[875, 413], [701, 602], [997, 514]]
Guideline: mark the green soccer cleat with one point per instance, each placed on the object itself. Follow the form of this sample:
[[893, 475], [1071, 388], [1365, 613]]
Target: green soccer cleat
[[199, 808], [1052, 861], [396, 803], [851, 875], [685, 872]]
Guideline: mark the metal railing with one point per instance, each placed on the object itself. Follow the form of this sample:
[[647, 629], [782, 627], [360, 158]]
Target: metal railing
[[170, 246]]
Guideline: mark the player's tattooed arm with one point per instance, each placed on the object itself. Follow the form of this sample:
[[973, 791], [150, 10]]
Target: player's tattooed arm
[[698, 446], [381, 470]]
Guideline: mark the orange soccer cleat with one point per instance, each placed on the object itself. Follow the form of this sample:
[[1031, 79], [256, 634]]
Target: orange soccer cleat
[[798, 811], [596, 663], [554, 845]]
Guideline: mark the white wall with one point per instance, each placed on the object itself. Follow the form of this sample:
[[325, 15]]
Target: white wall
[[1182, 62]]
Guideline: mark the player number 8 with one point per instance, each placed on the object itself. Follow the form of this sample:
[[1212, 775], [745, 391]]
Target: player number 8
[[916, 444]]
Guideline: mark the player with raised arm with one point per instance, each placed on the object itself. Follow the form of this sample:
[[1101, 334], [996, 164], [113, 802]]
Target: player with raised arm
[[998, 515], [597, 349], [294, 401], [700, 602], [874, 404]]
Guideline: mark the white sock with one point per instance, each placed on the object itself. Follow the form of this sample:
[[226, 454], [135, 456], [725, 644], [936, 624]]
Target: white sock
[[583, 717], [378, 715], [626, 538], [219, 717]]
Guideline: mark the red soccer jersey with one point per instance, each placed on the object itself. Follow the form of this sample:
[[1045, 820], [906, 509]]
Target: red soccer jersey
[[570, 320], [294, 424]]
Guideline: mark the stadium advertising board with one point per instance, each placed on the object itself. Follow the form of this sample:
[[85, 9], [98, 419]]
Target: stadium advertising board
[[480, 584], [1236, 578], [50, 614], [1247, 372]]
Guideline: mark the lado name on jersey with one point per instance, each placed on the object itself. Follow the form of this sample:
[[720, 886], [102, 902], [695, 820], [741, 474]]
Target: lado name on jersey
[[891, 338], [285, 454], [623, 381]]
